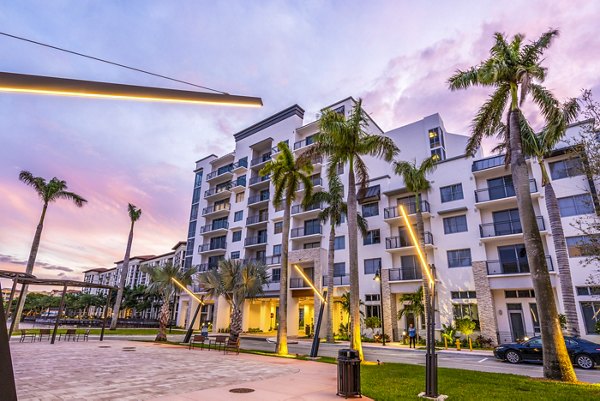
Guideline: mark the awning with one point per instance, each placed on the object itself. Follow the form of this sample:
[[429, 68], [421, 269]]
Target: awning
[[370, 194]]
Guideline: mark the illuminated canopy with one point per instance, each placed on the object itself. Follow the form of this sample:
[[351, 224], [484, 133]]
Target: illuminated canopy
[[37, 84]]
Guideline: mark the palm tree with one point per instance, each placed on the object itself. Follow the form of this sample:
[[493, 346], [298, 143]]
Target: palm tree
[[514, 70], [287, 173], [162, 284], [540, 146], [236, 281], [345, 141], [48, 191], [413, 304], [334, 213], [134, 215]]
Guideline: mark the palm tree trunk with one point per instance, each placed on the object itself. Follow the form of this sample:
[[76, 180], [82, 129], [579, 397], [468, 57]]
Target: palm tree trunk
[[123, 279], [282, 346], [163, 320], [30, 264], [330, 272], [557, 365], [356, 343], [562, 260], [236, 322]]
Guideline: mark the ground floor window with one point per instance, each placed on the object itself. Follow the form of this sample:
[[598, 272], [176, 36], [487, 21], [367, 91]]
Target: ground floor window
[[373, 310], [591, 316], [461, 311]]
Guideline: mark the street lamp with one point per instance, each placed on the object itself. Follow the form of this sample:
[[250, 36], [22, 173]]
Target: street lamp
[[188, 334], [314, 350], [380, 279]]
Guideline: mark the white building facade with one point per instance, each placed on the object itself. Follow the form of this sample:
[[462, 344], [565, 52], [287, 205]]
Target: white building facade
[[473, 234]]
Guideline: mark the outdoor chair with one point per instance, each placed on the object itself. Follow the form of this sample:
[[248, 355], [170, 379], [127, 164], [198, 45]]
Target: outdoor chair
[[220, 342], [84, 336], [199, 339], [232, 345], [25, 334], [70, 334], [45, 332]]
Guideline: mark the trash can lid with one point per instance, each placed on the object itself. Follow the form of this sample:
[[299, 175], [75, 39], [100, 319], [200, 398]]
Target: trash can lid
[[347, 353]]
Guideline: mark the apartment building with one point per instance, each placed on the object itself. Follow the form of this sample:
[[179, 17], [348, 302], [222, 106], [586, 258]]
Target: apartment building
[[472, 231]]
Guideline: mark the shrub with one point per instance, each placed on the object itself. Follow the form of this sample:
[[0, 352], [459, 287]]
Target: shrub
[[373, 322], [254, 330]]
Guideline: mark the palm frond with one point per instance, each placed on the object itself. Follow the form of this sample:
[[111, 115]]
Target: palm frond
[[77, 200], [464, 79], [532, 52], [134, 212], [545, 100], [488, 120]]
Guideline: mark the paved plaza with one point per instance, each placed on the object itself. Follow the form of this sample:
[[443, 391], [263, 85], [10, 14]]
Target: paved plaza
[[128, 370]]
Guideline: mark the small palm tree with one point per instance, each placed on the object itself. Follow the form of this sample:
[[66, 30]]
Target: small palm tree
[[287, 173], [413, 304], [48, 191], [236, 281], [134, 215], [514, 70], [346, 141], [335, 211], [162, 284]]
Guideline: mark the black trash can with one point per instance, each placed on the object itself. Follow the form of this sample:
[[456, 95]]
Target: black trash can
[[348, 373]]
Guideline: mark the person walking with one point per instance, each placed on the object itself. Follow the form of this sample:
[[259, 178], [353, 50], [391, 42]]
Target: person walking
[[204, 330], [412, 336]]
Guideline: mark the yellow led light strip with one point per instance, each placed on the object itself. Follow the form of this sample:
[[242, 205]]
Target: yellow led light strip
[[415, 241], [306, 279], [183, 287]]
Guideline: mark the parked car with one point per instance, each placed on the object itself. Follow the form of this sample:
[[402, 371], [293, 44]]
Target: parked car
[[583, 353]]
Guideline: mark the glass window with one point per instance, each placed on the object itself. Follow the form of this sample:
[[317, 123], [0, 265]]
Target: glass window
[[198, 180], [566, 168], [435, 139], [373, 310], [372, 237], [513, 259], [194, 212], [196, 195], [459, 258], [591, 315], [275, 275], [236, 236], [339, 269], [372, 266], [311, 245], [463, 295], [575, 205], [370, 209], [239, 197], [501, 187], [276, 250], [438, 154], [455, 224], [192, 229], [237, 216], [339, 242], [312, 227], [235, 255], [451, 193], [278, 228], [461, 311], [581, 245]]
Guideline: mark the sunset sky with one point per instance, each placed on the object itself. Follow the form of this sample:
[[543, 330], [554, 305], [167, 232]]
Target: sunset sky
[[395, 55]]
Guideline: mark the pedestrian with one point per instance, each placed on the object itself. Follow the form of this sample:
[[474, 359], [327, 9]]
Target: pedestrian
[[412, 336], [204, 330]]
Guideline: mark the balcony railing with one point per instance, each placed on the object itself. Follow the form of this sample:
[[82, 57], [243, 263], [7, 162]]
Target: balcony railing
[[337, 280], [240, 181], [273, 260], [259, 178], [498, 267], [258, 198], [217, 190], [301, 209], [486, 163], [304, 231], [509, 227], [404, 241], [256, 240], [275, 149], [260, 160], [243, 163], [303, 143], [500, 192], [217, 173], [316, 182], [204, 267], [214, 226], [406, 273], [212, 246], [298, 282], [410, 207], [257, 219], [216, 208]]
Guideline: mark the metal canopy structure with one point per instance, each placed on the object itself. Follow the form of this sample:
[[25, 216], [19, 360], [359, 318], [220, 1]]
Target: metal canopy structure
[[7, 384]]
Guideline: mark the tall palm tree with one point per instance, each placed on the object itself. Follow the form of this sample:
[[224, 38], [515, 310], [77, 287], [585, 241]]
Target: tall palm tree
[[514, 70], [134, 215], [48, 191], [346, 141], [162, 284], [334, 213], [236, 281], [287, 173], [413, 304]]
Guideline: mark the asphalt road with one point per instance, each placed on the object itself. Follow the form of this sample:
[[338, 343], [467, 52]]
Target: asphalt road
[[459, 360]]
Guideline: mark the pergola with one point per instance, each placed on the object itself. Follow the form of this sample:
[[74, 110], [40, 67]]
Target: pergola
[[7, 387]]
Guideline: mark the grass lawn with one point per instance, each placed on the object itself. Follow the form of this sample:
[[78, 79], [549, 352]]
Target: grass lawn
[[107, 332], [394, 381]]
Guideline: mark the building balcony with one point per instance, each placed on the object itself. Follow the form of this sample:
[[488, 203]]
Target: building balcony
[[392, 214], [215, 194], [399, 243], [275, 149], [258, 240], [406, 273], [257, 219], [221, 209], [258, 200], [240, 166], [299, 210], [212, 247], [304, 143], [501, 194], [267, 260], [489, 163], [298, 282], [317, 184], [214, 228], [259, 179], [499, 267], [338, 281], [260, 161], [204, 267], [506, 228], [306, 232], [238, 185], [220, 175]]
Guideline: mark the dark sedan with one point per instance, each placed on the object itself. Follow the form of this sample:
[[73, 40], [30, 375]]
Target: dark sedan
[[583, 353]]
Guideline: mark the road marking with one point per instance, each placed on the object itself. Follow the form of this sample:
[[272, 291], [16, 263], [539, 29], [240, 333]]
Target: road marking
[[484, 359]]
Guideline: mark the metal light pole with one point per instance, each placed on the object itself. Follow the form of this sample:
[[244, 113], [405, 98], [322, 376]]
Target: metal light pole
[[378, 277]]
